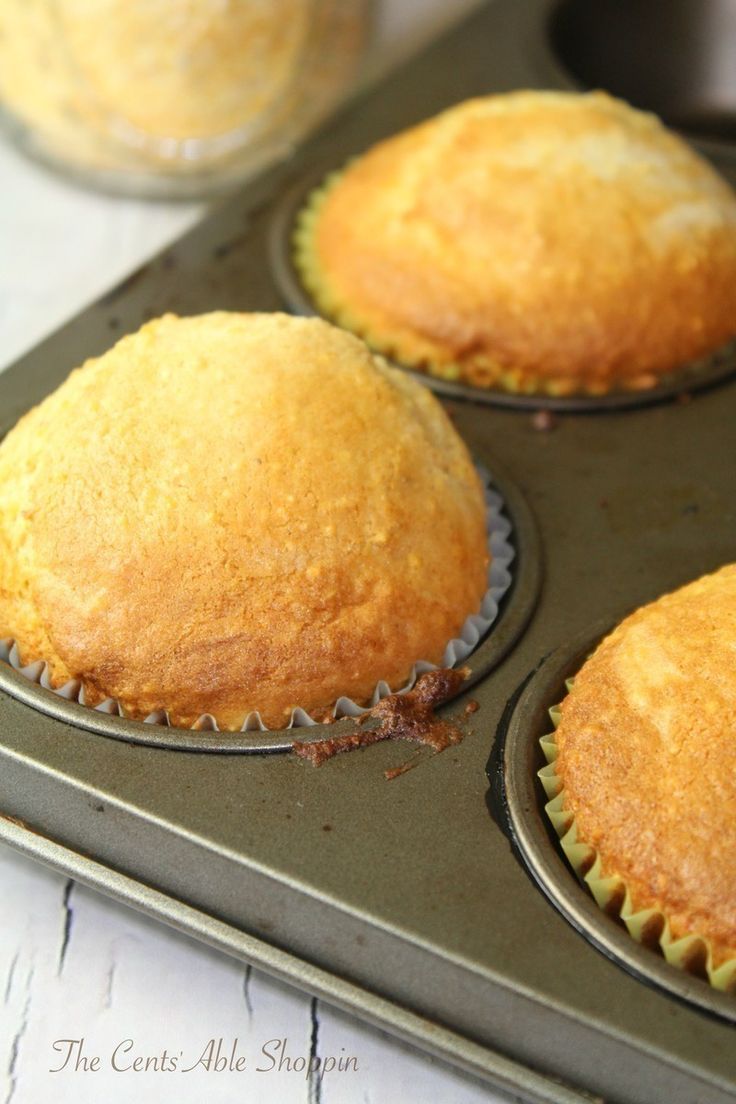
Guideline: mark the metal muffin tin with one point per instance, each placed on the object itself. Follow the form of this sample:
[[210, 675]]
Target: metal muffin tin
[[683, 67], [403, 900], [513, 770]]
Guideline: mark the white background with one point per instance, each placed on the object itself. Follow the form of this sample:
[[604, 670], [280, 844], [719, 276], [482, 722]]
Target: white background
[[72, 963]]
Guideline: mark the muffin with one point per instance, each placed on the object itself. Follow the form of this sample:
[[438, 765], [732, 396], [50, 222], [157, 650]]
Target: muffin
[[646, 758], [237, 512], [534, 242]]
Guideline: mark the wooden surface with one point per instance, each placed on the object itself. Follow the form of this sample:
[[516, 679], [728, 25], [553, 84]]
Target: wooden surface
[[73, 965]]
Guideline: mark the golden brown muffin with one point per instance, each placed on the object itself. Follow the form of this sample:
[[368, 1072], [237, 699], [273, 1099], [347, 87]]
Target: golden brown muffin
[[647, 758], [235, 512], [534, 241]]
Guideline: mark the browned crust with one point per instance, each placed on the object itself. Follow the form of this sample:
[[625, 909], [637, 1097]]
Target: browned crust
[[237, 512], [409, 716], [647, 757], [534, 241]]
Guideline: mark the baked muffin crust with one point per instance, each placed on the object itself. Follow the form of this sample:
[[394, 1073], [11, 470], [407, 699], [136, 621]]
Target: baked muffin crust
[[533, 241], [235, 512], [647, 758]]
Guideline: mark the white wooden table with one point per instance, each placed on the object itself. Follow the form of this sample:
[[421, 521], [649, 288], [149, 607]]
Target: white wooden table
[[74, 965]]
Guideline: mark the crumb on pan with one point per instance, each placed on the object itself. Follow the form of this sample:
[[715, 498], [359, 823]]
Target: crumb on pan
[[409, 716]]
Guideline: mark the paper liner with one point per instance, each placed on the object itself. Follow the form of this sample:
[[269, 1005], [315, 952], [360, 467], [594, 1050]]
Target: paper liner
[[475, 627], [486, 373], [649, 926]]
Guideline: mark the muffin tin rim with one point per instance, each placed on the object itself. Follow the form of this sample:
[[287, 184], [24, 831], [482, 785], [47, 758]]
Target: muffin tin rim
[[516, 788]]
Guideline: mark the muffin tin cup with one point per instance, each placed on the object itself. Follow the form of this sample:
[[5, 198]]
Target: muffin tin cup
[[690, 378], [518, 801], [506, 604]]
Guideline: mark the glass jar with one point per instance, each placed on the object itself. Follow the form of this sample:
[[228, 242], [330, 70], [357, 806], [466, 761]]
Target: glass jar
[[172, 97]]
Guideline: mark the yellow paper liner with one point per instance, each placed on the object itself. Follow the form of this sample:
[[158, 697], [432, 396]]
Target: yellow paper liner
[[485, 372], [650, 926]]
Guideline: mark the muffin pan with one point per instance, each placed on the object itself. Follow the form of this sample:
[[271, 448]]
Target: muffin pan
[[688, 379], [682, 67], [519, 801], [403, 900]]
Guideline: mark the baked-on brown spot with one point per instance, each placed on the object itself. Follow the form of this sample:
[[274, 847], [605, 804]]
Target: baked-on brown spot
[[647, 757], [394, 772], [544, 421], [409, 716]]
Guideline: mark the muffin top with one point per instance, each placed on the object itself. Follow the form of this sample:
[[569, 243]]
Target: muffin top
[[647, 757], [235, 512], [534, 241]]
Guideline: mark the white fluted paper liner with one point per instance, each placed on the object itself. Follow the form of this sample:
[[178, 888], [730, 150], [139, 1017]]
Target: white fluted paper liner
[[500, 546]]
